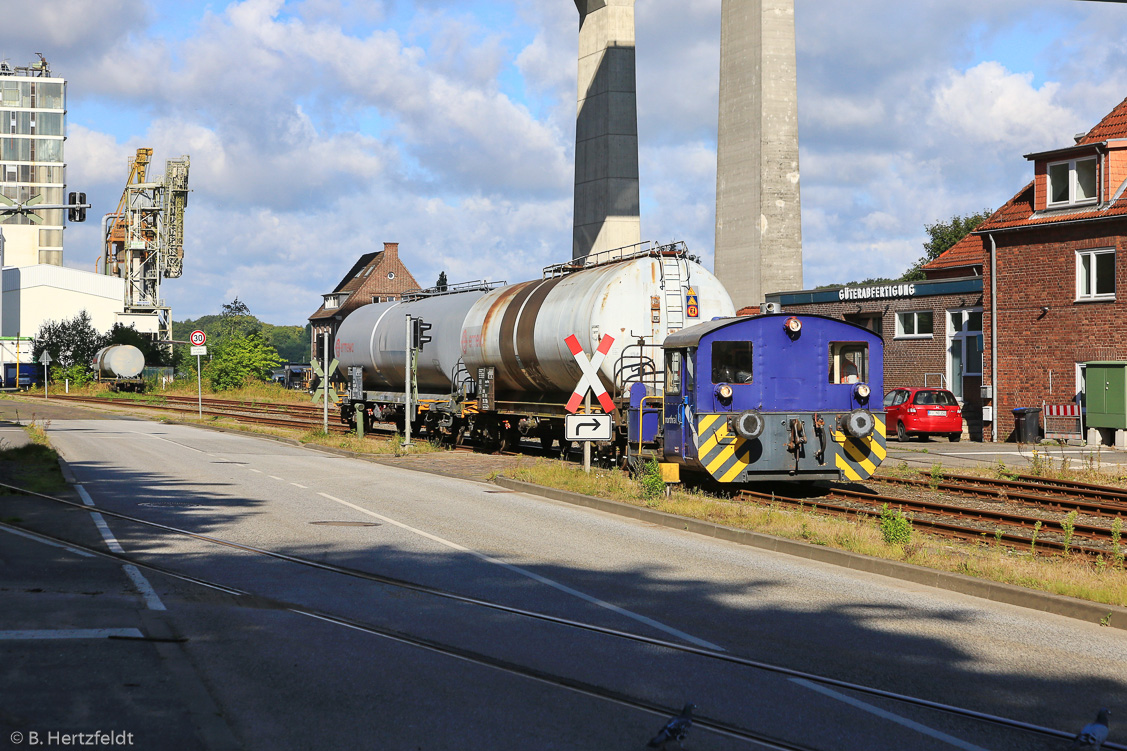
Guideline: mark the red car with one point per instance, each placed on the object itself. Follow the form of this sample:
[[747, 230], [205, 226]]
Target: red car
[[923, 412]]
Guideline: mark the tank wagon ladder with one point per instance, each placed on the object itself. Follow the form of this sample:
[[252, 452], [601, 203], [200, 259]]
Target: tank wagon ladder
[[672, 283]]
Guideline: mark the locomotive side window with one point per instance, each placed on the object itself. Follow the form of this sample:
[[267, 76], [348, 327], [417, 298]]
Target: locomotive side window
[[731, 362], [673, 372], [849, 362]]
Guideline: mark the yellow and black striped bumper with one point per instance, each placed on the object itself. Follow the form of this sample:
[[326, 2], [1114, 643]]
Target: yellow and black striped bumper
[[858, 458], [721, 451]]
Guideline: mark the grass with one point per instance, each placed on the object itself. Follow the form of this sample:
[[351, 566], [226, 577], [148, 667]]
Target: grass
[[252, 392], [34, 466], [1073, 575]]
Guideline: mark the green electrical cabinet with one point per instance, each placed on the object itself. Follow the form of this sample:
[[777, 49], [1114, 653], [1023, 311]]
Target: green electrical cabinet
[[1106, 394]]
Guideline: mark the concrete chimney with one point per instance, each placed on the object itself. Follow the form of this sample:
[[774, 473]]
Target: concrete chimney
[[758, 213], [606, 130]]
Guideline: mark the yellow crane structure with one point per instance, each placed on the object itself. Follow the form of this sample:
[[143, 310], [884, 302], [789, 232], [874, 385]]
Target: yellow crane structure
[[144, 239]]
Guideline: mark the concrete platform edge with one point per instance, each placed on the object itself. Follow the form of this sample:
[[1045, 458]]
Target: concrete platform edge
[[1010, 594]]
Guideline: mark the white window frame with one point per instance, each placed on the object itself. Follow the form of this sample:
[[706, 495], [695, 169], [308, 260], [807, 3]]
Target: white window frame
[[1072, 200], [900, 326], [1094, 297]]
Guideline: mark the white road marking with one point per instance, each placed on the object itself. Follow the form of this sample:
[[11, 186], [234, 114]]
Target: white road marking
[[144, 588], [252, 469], [72, 633], [911, 724], [148, 594], [536, 577], [299, 485], [279, 479], [76, 551]]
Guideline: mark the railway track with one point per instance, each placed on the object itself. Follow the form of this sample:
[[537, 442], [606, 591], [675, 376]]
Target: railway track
[[968, 522], [292, 416]]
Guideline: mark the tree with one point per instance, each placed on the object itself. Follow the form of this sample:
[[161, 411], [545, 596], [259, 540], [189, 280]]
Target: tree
[[441, 285], [237, 359], [71, 342], [943, 236], [235, 318]]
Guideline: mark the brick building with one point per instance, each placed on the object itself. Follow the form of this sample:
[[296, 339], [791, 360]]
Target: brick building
[[1053, 259], [375, 277]]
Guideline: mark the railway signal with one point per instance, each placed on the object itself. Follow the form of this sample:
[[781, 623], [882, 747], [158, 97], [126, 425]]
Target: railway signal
[[419, 336]]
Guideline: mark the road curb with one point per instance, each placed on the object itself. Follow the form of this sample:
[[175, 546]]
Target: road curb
[[1069, 607]]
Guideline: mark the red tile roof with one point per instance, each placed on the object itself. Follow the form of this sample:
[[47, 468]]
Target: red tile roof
[[1114, 125], [1019, 211], [966, 252]]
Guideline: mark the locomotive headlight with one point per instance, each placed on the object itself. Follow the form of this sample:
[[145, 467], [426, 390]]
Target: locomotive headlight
[[724, 391], [793, 326], [862, 391]]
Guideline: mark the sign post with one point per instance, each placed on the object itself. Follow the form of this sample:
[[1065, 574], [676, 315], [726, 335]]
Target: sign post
[[45, 359], [198, 338], [408, 342], [588, 383]]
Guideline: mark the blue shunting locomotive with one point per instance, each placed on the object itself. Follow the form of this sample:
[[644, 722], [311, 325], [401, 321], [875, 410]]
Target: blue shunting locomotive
[[769, 397]]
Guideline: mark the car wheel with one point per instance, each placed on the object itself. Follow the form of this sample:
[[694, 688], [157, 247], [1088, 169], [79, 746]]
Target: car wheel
[[901, 433], [954, 437]]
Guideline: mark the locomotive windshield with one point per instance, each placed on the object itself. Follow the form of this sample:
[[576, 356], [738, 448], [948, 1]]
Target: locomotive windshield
[[731, 362], [849, 362]]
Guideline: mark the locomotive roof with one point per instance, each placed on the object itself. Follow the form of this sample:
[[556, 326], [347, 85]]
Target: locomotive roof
[[691, 336]]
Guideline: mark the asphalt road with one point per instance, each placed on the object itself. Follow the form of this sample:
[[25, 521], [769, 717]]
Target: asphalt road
[[282, 680]]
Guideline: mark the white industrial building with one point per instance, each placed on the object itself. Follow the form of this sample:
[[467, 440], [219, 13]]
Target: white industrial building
[[36, 286]]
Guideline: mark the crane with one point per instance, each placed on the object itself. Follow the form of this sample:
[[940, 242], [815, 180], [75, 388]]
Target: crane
[[144, 237]]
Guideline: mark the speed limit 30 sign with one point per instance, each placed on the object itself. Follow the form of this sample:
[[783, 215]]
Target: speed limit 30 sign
[[198, 338]]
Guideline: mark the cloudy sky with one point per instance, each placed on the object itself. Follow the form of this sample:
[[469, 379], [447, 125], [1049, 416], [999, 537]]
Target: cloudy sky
[[318, 129]]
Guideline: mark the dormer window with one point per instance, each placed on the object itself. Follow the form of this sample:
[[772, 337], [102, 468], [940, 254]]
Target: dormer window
[[334, 301], [1072, 182]]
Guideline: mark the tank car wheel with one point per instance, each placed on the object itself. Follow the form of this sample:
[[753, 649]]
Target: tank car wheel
[[901, 433], [546, 442]]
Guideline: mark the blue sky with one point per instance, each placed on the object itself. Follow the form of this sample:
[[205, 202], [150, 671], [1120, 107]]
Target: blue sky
[[319, 129]]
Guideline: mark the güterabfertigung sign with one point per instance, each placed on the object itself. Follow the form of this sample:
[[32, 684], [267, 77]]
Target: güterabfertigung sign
[[878, 292]]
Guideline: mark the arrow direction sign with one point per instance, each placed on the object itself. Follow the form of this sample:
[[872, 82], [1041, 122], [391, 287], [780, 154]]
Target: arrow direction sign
[[45, 358], [590, 368], [588, 428]]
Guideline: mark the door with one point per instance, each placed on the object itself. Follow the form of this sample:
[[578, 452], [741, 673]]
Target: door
[[674, 418]]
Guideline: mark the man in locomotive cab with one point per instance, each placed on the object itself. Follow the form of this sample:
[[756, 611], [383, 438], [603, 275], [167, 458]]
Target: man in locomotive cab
[[848, 362], [731, 362]]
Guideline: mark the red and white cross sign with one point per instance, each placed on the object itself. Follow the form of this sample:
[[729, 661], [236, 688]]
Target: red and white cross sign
[[590, 379]]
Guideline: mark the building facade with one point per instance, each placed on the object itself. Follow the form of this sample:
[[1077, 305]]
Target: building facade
[[32, 132], [375, 277], [1054, 259]]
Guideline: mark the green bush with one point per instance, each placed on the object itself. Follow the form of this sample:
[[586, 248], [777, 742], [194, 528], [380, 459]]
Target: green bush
[[653, 485], [894, 526]]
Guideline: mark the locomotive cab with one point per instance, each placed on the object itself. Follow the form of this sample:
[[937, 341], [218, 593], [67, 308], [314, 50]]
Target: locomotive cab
[[774, 397]]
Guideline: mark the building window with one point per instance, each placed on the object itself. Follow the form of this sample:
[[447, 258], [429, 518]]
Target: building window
[[1095, 274], [1072, 182], [914, 324]]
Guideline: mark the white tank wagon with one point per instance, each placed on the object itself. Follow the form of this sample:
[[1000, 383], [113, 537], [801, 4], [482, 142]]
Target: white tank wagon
[[120, 365], [519, 332]]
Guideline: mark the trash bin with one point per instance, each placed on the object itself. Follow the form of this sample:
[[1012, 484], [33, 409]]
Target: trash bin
[[1027, 424]]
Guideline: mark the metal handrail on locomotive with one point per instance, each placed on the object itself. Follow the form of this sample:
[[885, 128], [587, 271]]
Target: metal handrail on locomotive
[[498, 369]]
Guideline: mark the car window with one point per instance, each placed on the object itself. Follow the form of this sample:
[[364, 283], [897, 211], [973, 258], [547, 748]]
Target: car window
[[890, 398], [946, 399], [925, 397]]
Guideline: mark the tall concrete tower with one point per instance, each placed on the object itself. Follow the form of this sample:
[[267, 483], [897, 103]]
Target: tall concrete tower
[[606, 130], [758, 215]]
